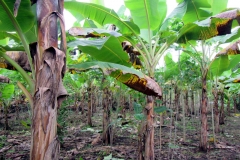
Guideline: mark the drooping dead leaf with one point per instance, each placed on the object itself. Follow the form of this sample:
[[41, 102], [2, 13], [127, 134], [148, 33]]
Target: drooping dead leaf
[[133, 54], [226, 25], [130, 77], [144, 84], [232, 49], [127, 47], [221, 24], [223, 21]]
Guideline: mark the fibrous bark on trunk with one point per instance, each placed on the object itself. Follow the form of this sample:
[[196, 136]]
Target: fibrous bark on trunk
[[186, 103], [149, 132], [203, 133], [192, 102], [107, 128], [89, 106], [49, 64], [215, 110], [177, 96], [228, 106], [6, 125], [221, 116], [235, 104]]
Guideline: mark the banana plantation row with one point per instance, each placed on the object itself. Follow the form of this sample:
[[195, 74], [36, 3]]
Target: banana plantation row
[[103, 43]]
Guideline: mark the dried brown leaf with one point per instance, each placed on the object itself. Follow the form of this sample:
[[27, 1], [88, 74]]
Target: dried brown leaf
[[232, 49]]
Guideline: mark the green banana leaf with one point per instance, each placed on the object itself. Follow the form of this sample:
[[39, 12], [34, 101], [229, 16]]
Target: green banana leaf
[[171, 67], [217, 6], [128, 76], [196, 10], [13, 36], [106, 49], [25, 17], [178, 12], [101, 15], [147, 14], [219, 65], [226, 59]]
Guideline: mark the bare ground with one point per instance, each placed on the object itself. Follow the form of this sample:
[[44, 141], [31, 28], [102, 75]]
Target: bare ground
[[83, 142]]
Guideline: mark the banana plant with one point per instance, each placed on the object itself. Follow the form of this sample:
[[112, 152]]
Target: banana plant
[[148, 31], [217, 25], [147, 25], [45, 81]]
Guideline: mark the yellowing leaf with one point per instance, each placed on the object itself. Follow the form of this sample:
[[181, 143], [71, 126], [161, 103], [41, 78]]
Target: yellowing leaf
[[145, 85]]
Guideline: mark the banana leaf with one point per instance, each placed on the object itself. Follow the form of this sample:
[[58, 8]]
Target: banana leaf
[[101, 15], [108, 49], [221, 24], [196, 10], [128, 76], [25, 17], [147, 14]]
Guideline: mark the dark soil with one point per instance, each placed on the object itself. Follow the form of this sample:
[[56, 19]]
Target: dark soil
[[78, 141]]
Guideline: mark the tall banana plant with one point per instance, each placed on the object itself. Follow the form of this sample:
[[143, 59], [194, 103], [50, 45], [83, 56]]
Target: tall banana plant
[[202, 30], [147, 31], [47, 63]]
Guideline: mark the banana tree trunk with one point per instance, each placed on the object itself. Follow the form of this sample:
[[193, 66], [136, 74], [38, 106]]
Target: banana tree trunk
[[170, 97], [221, 116], [89, 105], [228, 106], [94, 101], [235, 104], [216, 111], [49, 63], [203, 133], [5, 107], [186, 103], [106, 137], [83, 103], [192, 102], [149, 132], [177, 95]]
